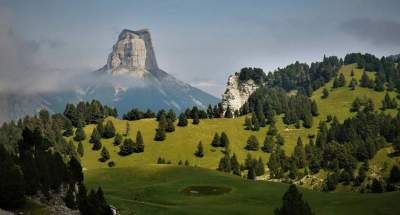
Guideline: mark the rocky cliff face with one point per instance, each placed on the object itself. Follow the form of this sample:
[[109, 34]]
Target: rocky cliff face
[[237, 92]]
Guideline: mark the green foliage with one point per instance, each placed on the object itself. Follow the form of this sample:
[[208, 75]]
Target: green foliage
[[252, 143], [95, 136], [127, 147], [216, 142], [182, 120], [325, 93], [255, 74], [394, 174], [109, 130], [224, 140], [139, 144], [293, 203], [117, 139], [200, 150], [160, 131], [105, 155], [170, 125], [79, 134], [80, 149], [269, 144]]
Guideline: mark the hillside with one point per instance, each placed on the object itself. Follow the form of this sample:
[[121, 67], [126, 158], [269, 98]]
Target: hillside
[[181, 144], [156, 189]]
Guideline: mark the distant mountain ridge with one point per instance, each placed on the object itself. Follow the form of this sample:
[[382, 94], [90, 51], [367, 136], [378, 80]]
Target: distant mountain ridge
[[130, 78]]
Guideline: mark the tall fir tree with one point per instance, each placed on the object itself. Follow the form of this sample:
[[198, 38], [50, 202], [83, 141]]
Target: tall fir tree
[[293, 203]]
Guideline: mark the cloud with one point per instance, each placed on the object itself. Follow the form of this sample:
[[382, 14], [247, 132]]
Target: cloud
[[378, 32]]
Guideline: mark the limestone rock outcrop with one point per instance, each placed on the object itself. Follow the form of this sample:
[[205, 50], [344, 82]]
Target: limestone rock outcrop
[[237, 92]]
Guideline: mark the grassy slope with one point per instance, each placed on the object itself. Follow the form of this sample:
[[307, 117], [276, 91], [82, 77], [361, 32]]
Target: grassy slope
[[155, 189], [181, 144]]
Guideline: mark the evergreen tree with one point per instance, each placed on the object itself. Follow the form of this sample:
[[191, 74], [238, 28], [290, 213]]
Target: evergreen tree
[[79, 134], [109, 130], [293, 203], [68, 128], [75, 170], [100, 128], [272, 131], [171, 115], [270, 118], [127, 147], [299, 154], [235, 165], [314, 108], [376, 186], [280, 140], [352, 73], [255, 122], [252, 143], [251, 174], [160, 131], [364, 82], [379, 84], [80, 149], [139, 144], [268, 144], [248, 124], [196, 119], [97, 145], [394, 174], [70, 199], [356, 105], [105, 155], [342, 80], [170, 125], [12, 182], [187, 163], [353, 84], [182, 120], [228, 112], [127, 129], [308, 120], [225, 164], [200, 150], [224, 140], [259, 168], [117, 139], [325, 93], [95, 136], [216, 142]]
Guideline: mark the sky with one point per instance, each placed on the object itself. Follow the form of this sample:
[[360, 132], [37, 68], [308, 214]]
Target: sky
[[45, 42]]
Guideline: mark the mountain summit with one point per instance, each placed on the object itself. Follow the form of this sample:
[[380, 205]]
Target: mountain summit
[[130, 78]]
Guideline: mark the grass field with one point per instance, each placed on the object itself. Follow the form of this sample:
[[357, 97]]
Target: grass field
[[181, 144], [156, 189], [136, 185]]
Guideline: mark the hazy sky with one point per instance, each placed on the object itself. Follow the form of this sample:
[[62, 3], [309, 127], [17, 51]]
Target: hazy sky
[[200, 42]]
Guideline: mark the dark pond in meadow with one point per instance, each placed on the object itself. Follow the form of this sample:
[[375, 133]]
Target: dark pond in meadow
[[205, 190]]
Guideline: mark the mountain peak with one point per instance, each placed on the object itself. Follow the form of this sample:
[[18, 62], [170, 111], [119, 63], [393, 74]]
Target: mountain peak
[[132, 54]]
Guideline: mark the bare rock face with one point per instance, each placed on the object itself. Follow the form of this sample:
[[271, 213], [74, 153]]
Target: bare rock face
[[132, 54], [237, 92]]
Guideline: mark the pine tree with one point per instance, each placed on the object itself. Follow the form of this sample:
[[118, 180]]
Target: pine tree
[[100, 128], [364, 82], [325, 93], [68, 128], [252, 143], [268, 144], [299, 154], [160, 131], [225, 164], [171, 115], [117, 139], [109, 130], [95, 136], [127, 129], [224, 140], [352, 73], [170, 126], [394, 174], [80, 149], [228, 113], [353, 84], [251, 174], [255, 122], [293, 203], [270, 118], [235, 166], [127, 147], [96, 145], [216, 142], [379, 84], [79, 134], [342, 80], [356, 105], [376, 186], [182, 120], [70, 198], [259, 168], [187, 163], [272, 131], [200, 150], [196, 119], [139, 144], [248, 124], [280, 140], [314, 108], [308, 120], [105, 155]]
